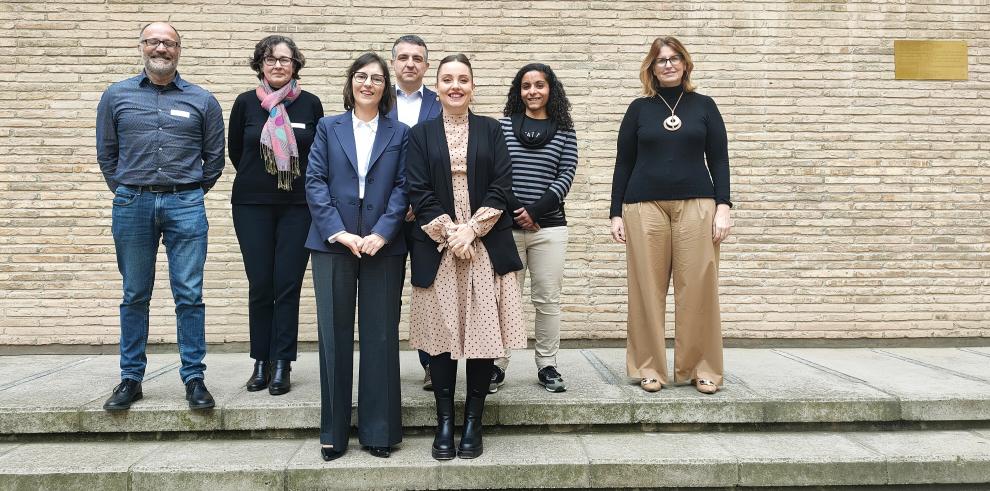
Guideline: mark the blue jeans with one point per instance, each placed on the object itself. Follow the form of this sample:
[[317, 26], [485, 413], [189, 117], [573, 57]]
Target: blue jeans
[[178, 220]]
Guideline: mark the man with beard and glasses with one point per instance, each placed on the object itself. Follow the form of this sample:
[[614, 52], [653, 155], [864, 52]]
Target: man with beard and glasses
[[160, 146]]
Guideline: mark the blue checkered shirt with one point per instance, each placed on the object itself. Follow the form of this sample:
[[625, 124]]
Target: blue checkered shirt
[[151, 135]]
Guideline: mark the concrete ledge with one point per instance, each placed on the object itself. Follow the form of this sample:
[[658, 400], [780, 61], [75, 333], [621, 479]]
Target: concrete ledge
[[654, 460], [749, 343], [920, 457], [220, 465], [65, 393]]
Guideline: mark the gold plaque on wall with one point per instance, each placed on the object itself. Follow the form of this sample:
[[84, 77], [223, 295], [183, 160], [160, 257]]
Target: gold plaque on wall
[[931, 60]]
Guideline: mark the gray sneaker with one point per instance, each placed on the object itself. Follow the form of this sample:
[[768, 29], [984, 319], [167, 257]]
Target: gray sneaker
[[498, 379], [551, 379], [427, 379]]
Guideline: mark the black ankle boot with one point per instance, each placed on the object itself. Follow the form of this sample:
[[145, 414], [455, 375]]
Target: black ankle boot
[[280, 383], [259, 378], [474, 407], [443, 442]]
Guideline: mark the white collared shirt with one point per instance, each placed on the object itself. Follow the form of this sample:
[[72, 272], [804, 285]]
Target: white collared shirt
[[407, 106], [364, 139]]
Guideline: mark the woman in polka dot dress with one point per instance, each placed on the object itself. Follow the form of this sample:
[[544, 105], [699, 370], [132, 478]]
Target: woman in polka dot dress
[[465, 300]]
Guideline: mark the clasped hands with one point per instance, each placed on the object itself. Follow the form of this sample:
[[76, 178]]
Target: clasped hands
[[525, 221], [369, 244], [460, 240]]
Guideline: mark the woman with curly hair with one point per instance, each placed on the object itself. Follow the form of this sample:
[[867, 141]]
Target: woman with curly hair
[[271, 131], [542, 145]]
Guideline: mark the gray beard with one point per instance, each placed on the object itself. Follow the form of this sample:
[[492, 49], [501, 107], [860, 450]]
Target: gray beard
[[159, 67]]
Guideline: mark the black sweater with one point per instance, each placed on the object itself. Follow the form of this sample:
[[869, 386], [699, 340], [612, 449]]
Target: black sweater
[[253, 185], [653, 163]]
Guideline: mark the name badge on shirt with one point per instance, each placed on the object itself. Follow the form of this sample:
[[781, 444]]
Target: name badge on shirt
[[299, 125], [181, 114]]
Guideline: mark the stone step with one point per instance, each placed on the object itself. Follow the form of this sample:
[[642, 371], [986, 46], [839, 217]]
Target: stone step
[[592, 460], [61, 394]]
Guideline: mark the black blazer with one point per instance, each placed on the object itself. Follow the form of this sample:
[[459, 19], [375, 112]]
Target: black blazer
[[431, 192]]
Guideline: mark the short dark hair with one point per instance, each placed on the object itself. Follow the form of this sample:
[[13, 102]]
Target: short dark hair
[[411, 39], [388, 93], [558, 107], [458, 57], [265, 48]]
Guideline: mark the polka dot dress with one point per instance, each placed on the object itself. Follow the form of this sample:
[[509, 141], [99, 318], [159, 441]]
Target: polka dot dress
[[469, 311]]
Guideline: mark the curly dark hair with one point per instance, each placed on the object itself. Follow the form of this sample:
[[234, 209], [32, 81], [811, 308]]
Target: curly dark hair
[[388, 93], [558, 107], [265, 47]]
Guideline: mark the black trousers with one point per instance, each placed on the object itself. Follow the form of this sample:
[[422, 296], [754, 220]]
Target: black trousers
[[376, 283], [272, 240]]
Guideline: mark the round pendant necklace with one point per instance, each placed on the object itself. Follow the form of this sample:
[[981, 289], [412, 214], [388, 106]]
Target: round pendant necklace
[[673, 123]]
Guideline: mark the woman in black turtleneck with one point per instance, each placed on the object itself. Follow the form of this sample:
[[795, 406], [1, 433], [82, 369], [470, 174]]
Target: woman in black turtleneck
[[671, 209]]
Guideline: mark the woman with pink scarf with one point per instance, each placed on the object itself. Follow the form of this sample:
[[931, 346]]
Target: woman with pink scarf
[[271, 130]]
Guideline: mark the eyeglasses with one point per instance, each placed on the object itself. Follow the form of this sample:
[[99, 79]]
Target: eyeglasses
[[361, 78], [153, 43], [675, 60], [284, 61]]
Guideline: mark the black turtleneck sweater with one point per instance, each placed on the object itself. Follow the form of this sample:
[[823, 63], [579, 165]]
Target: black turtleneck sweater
[[653, 163]]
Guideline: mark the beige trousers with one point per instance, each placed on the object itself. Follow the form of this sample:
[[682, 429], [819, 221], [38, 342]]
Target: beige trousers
[[667, 239], [542, 253]]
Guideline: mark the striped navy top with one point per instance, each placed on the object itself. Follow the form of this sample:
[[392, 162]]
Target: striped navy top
[[541, 177]]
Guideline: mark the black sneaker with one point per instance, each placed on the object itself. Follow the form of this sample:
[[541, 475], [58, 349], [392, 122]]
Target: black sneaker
[[498, 379], [551, 379]]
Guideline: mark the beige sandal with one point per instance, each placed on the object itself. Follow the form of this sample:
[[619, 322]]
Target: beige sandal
[[705, 386], [650, 384]]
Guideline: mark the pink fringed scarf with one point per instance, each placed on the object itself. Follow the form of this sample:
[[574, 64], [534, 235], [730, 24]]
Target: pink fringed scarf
[[278, 143]]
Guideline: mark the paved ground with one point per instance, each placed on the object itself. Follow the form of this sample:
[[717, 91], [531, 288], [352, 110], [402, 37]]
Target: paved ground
[[603, 432], [65, 393], [514, 461]]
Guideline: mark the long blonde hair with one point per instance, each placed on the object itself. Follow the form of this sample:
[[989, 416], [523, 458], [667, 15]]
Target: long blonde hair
[[650, 83]]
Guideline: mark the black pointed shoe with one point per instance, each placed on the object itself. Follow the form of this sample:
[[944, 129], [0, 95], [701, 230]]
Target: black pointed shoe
[[330, 453], [471, 445], [280, 383], [443, 440], [260, 376], [380, 452], [123, 395], [198, 395]]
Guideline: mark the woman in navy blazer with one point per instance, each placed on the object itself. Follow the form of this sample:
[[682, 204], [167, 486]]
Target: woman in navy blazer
[[356, 190]]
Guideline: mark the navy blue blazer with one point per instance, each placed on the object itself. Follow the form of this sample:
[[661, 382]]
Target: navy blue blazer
[[332, 185], [427, 111]]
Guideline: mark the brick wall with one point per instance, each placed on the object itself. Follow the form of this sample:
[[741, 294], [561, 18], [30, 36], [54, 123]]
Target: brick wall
[[861, 201]]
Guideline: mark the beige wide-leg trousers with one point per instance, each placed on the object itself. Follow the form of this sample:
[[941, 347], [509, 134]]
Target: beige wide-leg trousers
[[667, 239]]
